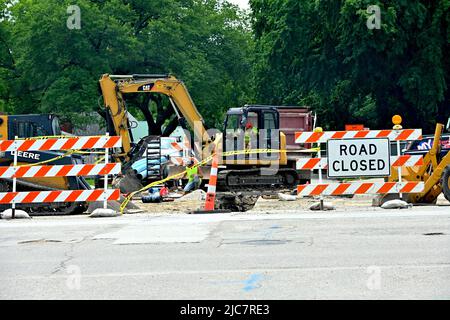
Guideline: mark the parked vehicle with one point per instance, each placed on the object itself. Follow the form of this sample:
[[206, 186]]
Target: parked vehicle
[[425, 144]]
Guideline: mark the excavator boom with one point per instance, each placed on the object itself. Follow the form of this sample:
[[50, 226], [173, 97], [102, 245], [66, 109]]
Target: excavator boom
[[115, 86]]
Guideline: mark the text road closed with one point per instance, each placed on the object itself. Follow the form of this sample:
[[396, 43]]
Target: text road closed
[[358, 158]]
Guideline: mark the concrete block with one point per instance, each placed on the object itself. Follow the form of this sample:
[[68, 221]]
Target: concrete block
[[19, 214], [102, 213], [396, 204]]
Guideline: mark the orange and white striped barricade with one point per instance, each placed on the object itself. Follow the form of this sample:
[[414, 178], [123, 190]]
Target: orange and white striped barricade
[[339, 189], [69, 143], [58, 196], [60, 170], [176, 153], [38, 171], [346, 138], [185, 153], [396, 161], [393, 135]]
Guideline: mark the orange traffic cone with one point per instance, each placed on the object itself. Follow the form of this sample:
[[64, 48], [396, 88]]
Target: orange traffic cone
[[211, 194]]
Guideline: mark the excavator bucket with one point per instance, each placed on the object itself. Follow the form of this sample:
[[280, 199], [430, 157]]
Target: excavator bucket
[[127, 183], [113, 205]]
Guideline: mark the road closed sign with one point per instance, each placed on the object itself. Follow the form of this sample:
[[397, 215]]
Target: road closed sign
[[358, 158]]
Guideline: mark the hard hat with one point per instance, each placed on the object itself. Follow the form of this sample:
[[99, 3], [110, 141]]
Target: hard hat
[[248, 125], [318, 129]]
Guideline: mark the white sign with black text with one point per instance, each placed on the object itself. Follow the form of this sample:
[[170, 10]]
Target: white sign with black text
[[358, 158]]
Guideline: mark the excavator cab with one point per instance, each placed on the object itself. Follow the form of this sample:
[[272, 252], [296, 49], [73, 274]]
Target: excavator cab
[[252, 127], [254, 151]]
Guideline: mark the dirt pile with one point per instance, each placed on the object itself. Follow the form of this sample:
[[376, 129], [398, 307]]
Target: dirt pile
[[189, 202]]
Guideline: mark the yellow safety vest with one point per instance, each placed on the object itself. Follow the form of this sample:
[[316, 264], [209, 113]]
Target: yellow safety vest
[[248, 132], [191, 172]]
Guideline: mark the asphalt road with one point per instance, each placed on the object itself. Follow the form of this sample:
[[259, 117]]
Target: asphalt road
[[357, 254]]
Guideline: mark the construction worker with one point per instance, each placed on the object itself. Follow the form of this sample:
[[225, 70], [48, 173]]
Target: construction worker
[[250, 131], [194, 175]]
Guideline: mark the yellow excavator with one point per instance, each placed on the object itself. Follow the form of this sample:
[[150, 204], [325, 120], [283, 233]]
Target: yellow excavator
[[238, 173], [435, 172], [114, 88]]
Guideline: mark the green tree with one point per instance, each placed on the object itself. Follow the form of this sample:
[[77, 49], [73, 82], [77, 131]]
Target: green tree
[[321, 53], [7, 63], [207, 43]]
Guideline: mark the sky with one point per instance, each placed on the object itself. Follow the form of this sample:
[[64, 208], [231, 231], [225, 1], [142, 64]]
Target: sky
[[242, 3]]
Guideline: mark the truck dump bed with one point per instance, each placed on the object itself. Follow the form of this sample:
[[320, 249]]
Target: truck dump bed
[[294, 119]]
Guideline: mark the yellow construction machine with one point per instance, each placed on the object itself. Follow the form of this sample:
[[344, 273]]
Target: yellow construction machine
[[31, 126], [242, 173], [435, 172]]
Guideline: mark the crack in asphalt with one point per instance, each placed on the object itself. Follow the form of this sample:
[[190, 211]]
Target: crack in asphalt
[[69, 254]]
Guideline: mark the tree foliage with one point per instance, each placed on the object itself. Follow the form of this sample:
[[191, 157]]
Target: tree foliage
[[47, 67], [318, 53], [321, 53]]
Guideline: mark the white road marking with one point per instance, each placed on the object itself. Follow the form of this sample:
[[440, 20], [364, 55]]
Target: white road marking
[[159, 233], [231, 271], [138, 219]]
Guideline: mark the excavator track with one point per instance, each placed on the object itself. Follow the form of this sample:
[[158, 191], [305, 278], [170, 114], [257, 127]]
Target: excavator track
[[261, 179], [235, 201], [238, 190]]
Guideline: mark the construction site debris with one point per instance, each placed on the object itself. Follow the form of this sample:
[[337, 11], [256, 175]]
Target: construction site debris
[[114, 205], [103, 213], [326, 206], [287, 197], [152, 198], [197, 195]]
